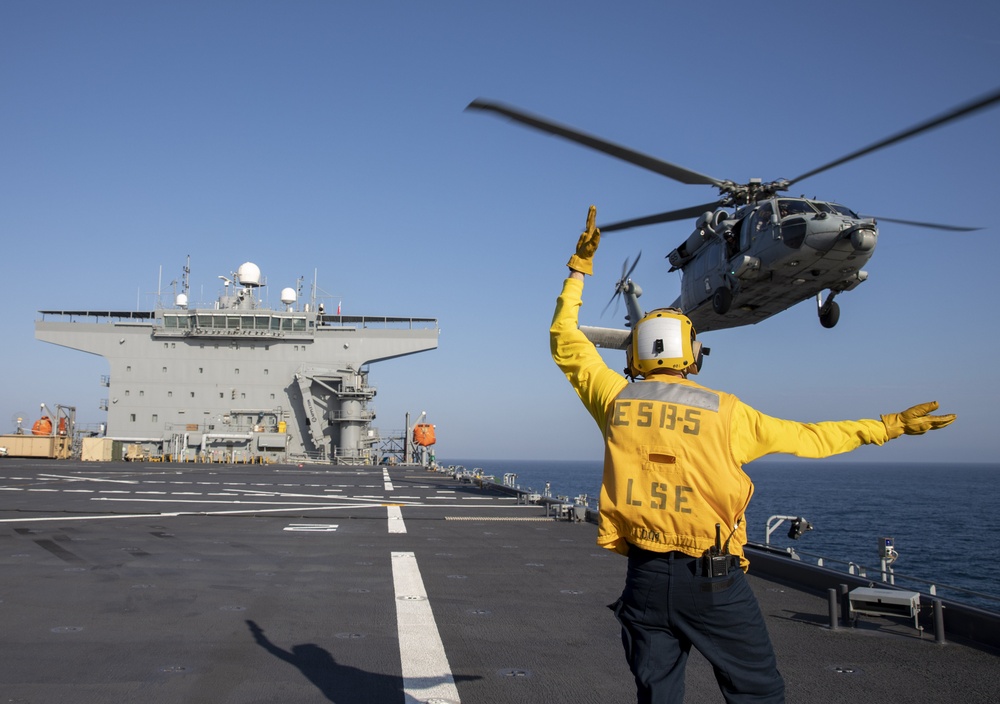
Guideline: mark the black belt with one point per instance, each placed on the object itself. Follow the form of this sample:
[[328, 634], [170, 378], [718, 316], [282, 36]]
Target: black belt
[[730, 564]]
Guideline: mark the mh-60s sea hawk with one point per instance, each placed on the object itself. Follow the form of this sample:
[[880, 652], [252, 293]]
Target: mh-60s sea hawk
[[754, 253]]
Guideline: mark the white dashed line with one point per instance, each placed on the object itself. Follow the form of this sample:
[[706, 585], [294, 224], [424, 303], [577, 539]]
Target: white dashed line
[[426, 672], [395, 514]]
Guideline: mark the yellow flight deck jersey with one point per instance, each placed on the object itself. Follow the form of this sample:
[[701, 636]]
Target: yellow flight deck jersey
[[675, 450]]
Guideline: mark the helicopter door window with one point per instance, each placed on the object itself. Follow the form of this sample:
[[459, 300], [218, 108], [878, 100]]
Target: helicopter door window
[[742, 229], [764, 214], [737, 237]]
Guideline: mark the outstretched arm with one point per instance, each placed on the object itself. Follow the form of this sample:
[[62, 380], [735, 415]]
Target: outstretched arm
[[575, 355], [756, 434]]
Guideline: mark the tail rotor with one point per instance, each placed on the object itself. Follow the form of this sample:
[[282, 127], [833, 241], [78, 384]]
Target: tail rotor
[[625, 286]]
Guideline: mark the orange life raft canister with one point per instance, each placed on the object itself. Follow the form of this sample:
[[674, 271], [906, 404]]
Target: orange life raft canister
[[423, 434], [42, 426]]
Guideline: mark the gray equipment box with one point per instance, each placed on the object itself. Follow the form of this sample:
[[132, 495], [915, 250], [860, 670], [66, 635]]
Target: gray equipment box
[[885, 602]]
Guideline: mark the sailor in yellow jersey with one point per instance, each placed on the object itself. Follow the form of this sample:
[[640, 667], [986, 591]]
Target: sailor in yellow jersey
[[674, 493]]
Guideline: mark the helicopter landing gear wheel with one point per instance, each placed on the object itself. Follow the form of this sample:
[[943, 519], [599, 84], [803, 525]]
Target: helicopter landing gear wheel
[[722, 300], [829, 317]]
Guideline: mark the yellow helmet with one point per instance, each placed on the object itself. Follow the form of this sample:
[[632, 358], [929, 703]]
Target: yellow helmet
[[664, 339]]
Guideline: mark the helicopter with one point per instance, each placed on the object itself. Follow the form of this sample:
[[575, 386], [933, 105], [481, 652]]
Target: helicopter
[[754, 252]]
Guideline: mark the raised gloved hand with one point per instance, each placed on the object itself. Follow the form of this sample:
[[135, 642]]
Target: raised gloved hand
[[583, 260], [915, 420]]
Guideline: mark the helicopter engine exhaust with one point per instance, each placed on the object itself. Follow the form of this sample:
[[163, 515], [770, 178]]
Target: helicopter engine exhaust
[[709, 225]]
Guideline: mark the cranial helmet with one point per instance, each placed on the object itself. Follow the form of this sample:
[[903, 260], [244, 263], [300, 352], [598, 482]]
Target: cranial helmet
[[664, 339]]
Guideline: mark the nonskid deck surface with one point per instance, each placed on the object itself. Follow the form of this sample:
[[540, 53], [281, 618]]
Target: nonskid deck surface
[[212, 583]]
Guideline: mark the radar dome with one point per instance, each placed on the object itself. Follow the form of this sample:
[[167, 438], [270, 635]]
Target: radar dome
[[249, 274], [182, 300], [288, 296]]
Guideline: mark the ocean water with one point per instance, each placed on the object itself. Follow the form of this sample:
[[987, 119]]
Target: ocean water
[[942, 517]]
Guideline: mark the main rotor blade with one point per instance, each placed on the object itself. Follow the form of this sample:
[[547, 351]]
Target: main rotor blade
[[954, 114], [682, 214], [933, 226], [664, 168]]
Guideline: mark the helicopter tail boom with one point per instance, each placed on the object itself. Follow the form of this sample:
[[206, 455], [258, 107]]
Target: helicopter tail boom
[[607, 338]]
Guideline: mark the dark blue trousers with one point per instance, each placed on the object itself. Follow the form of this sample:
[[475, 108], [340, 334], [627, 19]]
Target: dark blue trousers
[[668, 606]]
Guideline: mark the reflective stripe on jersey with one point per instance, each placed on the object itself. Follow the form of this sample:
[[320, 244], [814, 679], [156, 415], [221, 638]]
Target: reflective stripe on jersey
[[671, 393]]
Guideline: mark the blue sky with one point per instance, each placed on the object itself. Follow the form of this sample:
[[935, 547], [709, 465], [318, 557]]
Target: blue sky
[[330, 137]]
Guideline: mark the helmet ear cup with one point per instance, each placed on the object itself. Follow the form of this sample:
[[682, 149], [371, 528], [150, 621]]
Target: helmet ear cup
[[630, 370]]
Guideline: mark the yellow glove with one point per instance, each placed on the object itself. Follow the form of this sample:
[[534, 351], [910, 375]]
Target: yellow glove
[[915, 421], [583, 260]]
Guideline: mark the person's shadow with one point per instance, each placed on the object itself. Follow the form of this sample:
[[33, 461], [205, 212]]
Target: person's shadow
[[338, 683]]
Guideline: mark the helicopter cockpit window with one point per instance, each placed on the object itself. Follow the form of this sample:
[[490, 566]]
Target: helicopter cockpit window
[[787, 206], [836, 209]]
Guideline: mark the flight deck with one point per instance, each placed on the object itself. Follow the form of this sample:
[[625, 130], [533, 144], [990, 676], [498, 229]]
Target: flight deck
[[160, 582]]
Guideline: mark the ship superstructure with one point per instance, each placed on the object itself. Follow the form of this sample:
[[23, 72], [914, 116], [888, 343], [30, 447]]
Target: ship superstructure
[[239, 381]]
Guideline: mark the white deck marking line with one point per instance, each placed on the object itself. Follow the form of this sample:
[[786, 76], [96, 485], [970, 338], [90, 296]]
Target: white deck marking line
[[89, 479], [342, 502], [386, 480], [283, 494], [176, 514], [426, 672], [312, 527], [395, 514]]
